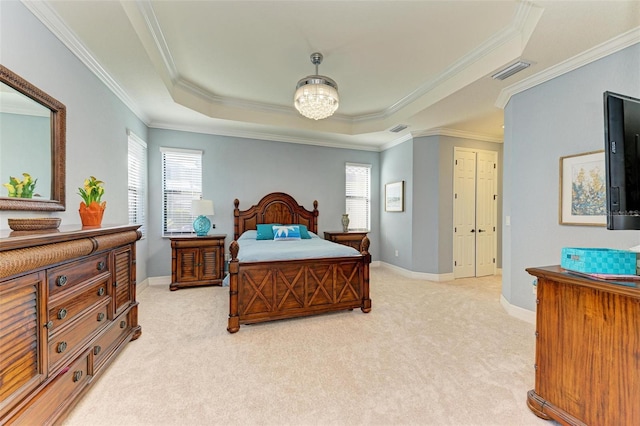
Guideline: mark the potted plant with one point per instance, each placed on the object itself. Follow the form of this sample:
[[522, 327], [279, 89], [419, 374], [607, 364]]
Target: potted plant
[[21, 188], [92, 208]]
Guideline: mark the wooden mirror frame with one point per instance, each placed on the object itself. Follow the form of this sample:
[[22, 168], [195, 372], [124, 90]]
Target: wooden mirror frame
[[58, 147]]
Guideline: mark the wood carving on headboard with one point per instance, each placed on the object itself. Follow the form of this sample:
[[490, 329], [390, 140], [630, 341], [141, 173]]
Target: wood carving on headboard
[[276, 207]]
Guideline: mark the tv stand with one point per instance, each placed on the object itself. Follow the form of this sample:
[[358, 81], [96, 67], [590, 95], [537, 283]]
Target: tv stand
[[587, 368]]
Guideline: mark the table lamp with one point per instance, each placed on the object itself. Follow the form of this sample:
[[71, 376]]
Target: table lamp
[[202, 209]]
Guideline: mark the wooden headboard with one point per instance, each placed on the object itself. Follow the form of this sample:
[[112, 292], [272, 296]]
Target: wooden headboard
[[276, 207]]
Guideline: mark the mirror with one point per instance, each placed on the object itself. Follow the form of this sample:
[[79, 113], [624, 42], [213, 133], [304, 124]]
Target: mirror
[[32, 140]]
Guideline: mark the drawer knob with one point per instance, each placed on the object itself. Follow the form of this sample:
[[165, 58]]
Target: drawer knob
[[96, 350], [49, 325], [61, 280], [100, 266], [123, 324], [62, 346], [101, 316], [77, 375], [101, 291], [62, 313]]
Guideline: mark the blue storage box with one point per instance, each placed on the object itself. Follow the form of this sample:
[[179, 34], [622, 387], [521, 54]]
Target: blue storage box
[[599, 261]]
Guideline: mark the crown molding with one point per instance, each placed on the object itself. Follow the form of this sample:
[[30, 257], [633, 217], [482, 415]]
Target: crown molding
[[457, 134], [50, 18], [262, 136], [598, 52], [396, 142]]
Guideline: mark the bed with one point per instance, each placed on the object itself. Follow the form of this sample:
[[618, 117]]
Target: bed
[[267, 290]]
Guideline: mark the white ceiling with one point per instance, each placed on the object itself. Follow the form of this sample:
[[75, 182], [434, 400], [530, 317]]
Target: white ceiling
[[230, 67]]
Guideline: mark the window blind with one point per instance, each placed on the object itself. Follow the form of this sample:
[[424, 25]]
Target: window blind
[[181, 183], [137, 181], [358, 196]]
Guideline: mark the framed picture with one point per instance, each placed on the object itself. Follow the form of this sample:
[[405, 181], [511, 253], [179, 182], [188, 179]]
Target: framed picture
[[583, 189], [394, 197]]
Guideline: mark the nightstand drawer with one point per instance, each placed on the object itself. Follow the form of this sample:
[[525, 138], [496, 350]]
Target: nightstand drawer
[[67, 276]]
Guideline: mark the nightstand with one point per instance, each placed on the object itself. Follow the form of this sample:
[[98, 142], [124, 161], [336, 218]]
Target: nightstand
[[197, 261], [351, 238]]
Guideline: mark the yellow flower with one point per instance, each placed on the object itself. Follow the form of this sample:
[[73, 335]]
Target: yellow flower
[[21, 189], [92, 191]]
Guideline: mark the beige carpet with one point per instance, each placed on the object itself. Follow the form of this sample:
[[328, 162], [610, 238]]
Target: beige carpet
[[428, 354]]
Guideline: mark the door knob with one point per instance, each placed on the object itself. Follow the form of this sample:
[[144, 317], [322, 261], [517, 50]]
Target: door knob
[[481, 230]]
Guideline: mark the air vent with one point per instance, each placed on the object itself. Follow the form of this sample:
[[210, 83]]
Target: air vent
[[398, 128], [511, 70]]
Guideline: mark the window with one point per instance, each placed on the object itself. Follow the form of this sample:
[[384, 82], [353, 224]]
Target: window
[[137, 186], [358, 196], [181, 183]]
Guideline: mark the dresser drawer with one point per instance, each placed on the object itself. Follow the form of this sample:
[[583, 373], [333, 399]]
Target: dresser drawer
[[104, 345], [58, 394], [72, 274], [64, 311], [63, 344]]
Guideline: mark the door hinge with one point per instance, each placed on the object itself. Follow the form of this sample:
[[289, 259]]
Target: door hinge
[[495, 196], [455, 196], [455, 263], [494, 165], [494, 229], [494, 260], [455, 229], [456, 162]]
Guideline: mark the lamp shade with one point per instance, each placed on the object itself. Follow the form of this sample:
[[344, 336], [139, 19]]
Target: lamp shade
[[202, 208]]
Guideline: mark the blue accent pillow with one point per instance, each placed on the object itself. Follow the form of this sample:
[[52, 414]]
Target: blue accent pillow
[[304, 232], [265, 231], [286, 232]]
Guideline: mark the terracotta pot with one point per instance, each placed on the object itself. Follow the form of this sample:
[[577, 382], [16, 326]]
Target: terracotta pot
[[92, 215]]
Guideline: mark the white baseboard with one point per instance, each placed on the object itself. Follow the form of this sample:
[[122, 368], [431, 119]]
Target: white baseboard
[[517, 311], [160, 281], [418, 275], [142, 285]]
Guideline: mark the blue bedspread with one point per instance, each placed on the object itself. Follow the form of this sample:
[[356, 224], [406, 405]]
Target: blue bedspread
[[252, 250]]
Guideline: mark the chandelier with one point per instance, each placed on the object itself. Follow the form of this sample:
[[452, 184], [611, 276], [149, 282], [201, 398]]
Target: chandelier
[[316, 95]]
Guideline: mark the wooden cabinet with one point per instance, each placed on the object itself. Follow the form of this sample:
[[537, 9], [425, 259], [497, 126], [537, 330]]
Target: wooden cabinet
[[587, 365], [351, 238], [197, 261], [59, 304]]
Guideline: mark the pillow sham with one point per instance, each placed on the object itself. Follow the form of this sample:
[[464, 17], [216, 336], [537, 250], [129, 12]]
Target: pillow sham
[[265, 231], [286, 232], [304, 232], [248, 235]]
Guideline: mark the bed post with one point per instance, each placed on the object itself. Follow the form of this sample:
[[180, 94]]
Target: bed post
[[234, 319], [364, 250], [236, 215]]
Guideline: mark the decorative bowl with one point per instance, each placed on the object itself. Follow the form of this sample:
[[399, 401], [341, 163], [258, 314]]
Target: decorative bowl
[[34, 224]]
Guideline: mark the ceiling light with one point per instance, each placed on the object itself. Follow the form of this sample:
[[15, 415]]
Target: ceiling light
[[511, 70], [316, 95]]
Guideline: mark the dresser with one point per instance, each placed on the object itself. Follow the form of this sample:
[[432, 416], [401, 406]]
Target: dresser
[[350, 238], [587, 361], [197, 261], [67, 308]]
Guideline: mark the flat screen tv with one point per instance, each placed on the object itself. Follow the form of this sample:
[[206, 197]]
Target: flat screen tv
[[622, 160]]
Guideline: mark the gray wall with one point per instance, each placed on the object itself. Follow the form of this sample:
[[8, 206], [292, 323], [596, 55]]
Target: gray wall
[[396, 164], [563, 116], [96, 119], [423, 234], [248, 169]]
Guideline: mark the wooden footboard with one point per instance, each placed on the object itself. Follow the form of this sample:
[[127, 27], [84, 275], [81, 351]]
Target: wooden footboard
[[267, 291]]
